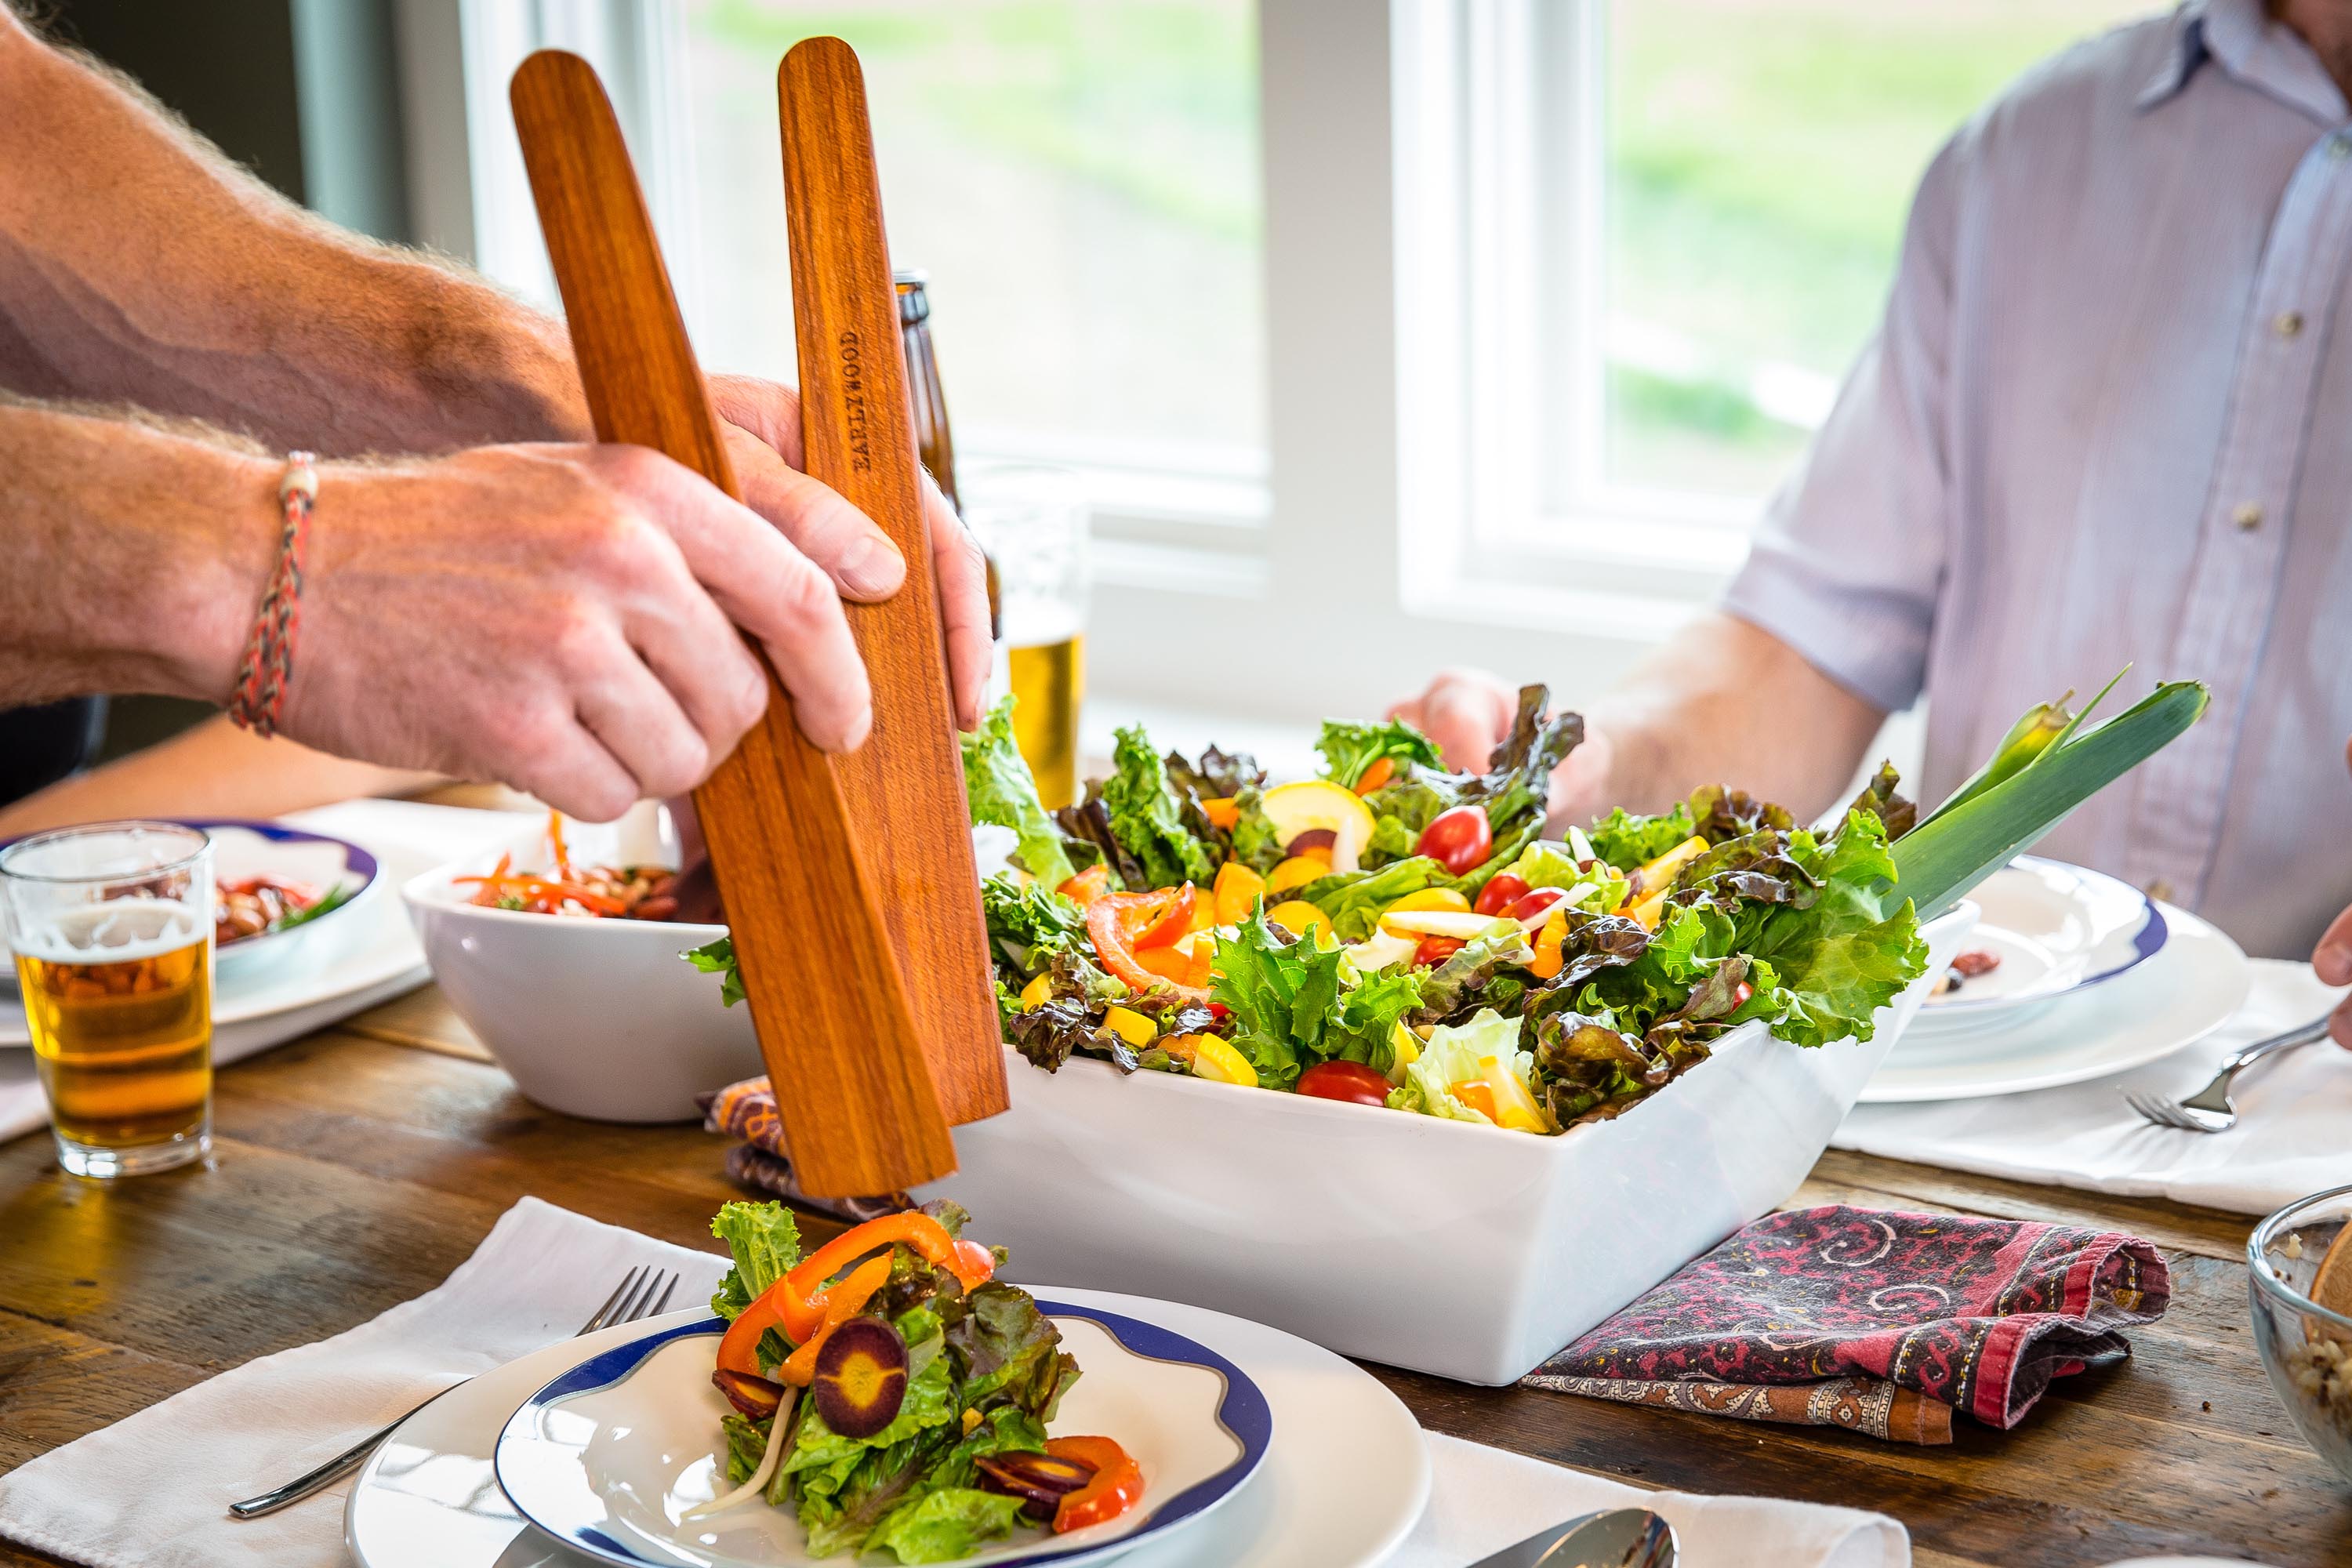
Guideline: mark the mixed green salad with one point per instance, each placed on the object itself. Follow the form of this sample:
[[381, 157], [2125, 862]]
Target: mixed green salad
[[1396, 934], [893, 1393]]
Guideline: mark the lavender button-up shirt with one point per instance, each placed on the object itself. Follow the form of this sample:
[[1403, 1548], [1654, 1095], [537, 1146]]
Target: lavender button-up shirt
[[2108, 420]]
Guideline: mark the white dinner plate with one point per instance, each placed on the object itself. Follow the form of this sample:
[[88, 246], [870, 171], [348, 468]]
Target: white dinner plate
[[1342, 1485], [613, 1453], [2056, 929], [2196, 983]]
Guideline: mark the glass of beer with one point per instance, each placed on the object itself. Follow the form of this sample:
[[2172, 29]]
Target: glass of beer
[[1033, 519], [112, 926]]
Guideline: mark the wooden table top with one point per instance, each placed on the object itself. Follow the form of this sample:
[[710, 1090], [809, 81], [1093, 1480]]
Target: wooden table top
[[357, 1167]]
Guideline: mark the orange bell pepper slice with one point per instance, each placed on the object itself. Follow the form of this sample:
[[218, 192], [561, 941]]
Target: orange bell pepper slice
[[843, 1302], [1224, 812], [797, 1304], [1118, 1483], [1113, 921], [1088, 885], [1380, 772], [1174, 924]]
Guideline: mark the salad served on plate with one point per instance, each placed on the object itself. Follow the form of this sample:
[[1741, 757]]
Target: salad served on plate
[[894, 1393]]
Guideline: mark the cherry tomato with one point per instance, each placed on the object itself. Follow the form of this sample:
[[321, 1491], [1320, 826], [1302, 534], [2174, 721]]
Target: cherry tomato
[[1501, 891], [1461, 838], [1351, 1081], [1435, 950], [1740, 994], [1534, 904]]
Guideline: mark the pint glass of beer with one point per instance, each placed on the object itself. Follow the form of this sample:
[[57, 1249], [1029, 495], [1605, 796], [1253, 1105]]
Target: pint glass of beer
[[111, 927], [1032, 521]]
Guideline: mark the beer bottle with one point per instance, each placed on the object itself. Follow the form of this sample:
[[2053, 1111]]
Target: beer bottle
[[932, 442]]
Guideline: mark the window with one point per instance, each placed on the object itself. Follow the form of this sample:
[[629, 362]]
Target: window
[[1079, 179], [1755, 163], [1508, 313]]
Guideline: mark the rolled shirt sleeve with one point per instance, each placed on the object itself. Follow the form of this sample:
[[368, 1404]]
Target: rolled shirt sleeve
[[1850, 551]]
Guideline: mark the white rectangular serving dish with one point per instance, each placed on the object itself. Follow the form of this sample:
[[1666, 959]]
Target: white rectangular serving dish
[[1444, 1247]]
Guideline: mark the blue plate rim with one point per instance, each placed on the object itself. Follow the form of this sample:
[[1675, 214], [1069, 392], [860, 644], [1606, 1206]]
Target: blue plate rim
[[1242, 1412]]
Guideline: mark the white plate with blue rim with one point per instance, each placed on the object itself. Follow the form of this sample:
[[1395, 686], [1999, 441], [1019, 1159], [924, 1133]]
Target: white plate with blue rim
[[609, 1456], [2048, 931], [1342, 1487]]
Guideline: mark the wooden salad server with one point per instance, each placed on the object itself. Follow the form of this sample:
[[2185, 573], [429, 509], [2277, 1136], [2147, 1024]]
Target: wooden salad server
[[821, 977], [905, 787]]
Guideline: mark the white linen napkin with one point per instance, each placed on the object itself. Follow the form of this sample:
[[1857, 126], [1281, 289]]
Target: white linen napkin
[[1483, 1499], [2289, 1141], [152, 1491], [406, 837]]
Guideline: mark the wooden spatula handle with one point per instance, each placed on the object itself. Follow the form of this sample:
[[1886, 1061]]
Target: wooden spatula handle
[[820, 974], [904, 785]]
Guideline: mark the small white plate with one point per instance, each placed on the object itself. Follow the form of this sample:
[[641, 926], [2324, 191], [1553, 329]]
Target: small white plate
[[2198, 981], [1342, 1487], [2056, 929]]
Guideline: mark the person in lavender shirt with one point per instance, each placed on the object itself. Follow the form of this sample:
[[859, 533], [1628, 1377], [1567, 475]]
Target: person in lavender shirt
[[2106, 420]]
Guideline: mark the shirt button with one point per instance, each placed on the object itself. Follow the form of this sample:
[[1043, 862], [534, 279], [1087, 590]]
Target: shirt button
[[2287, 323], [2248, 517], [2160, 889]]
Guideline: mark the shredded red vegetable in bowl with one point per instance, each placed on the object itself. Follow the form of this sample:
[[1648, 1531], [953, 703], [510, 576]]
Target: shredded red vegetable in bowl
[[598, 893]]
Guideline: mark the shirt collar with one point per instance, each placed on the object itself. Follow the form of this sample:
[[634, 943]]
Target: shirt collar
[[2240, 36]]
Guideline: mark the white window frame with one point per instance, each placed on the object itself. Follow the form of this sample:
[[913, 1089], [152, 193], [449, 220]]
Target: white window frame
[[1408, 137]]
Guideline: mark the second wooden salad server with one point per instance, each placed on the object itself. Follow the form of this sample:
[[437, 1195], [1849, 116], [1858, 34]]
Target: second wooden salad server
[[905, 785], [852, 1087]]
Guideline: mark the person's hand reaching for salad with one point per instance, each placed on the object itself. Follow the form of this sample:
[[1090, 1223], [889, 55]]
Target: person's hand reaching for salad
[[2332, 959], [1468, 712]]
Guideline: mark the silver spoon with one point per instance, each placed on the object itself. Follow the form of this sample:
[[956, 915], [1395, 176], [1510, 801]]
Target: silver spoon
[[1621, 1538]]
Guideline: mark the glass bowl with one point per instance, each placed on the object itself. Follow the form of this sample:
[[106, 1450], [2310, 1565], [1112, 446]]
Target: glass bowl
[[2307, 1349]]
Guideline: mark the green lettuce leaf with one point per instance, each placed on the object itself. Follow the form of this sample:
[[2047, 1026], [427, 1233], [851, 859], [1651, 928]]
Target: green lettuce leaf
[[1255, 842], [717, 957], [1626, 841], [943, 1525], [1349, 750], [1843, 957], [1028, 925], [1147, 820], [1477, 974], [1354, 899], [1365, 1030], [764, 1243], [1002, 1347], [1456, 1052], [1283, 995], [1000, 790]]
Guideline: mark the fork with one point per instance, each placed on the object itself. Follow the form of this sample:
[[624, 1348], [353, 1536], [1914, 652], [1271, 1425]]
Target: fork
[[633, 1299], [2208, 1110]]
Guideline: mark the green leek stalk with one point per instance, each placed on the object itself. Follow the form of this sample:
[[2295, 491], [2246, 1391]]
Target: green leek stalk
[[2048, 765]]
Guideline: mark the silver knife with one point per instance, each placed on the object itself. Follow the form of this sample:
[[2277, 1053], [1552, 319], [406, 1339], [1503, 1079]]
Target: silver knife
[[1621, 1538]]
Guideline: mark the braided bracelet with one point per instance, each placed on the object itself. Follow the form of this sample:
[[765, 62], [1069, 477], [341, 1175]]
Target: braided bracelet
[[268, 666]]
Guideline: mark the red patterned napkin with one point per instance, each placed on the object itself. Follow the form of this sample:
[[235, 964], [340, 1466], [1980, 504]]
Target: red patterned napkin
[[1882, 1322]]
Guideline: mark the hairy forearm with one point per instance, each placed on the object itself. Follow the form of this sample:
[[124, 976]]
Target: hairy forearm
[[137, 264], [1724, 702], [135, 555]]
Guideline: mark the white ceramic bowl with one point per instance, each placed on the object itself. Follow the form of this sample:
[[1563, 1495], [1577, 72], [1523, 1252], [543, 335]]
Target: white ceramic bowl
[[1441, 1246], [594, 1018]]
